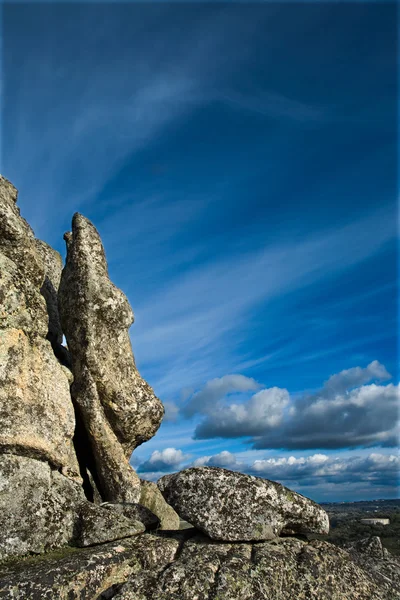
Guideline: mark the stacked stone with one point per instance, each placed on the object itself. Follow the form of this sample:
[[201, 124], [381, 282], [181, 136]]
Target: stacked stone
[[55, 446]]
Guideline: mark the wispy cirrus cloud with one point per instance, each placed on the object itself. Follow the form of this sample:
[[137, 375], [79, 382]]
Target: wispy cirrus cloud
[[96, 88], [207, 304]]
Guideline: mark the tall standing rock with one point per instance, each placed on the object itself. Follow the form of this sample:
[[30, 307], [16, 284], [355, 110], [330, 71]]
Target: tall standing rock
[[37, 417], [118, 408], [39, 473]]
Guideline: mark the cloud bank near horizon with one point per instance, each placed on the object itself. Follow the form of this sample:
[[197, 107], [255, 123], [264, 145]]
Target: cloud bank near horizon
[[347, 412]]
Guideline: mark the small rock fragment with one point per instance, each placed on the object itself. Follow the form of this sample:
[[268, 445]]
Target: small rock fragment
[[152, 498], [98, 525]]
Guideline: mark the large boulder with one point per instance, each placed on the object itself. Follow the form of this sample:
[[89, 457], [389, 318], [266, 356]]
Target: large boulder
[[232, 506], [119, 410], [37, 417], [152, 498]]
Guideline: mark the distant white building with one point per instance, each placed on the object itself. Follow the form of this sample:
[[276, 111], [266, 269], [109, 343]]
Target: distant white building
[[375, 521]]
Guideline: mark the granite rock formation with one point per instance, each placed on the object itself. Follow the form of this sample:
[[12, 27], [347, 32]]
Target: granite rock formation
[[39, 472], [135, 512], [37, 506], [187, 565], [232, 506], [44, 449], [119, 410]]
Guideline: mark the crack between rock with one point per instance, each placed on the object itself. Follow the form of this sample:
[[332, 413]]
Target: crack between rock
[[214, 585], [111, 592]]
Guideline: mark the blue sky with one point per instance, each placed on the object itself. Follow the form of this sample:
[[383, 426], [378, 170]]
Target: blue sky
[[240, 164]]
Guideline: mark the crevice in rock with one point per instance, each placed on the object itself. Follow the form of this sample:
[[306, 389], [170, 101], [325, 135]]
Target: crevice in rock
[[213, 588], [84, 454], [54, 333], [110, 592]]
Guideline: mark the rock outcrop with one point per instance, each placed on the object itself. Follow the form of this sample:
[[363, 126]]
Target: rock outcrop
[[118, 408], [186, 565], [85, 574], [232, 506], [44, 442], [372, 557], [37, 506]]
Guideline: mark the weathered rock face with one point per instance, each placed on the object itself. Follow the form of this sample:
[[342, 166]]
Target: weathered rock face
[[152, 498], [237, 507], [36, 413], [283, 569], [186, 567], [85, 574], [37, 506], [118, 408], [384, 568]]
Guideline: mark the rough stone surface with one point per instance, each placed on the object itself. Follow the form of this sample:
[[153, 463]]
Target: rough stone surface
[[179, 566], [369, 554], [369, 547], [281, 569], [37, 506], [118, 408], [98, 525], [152, 498], [236, 507], [135, 512], [36, 413], [85, 574]]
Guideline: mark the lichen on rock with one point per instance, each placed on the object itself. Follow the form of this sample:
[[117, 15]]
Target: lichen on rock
[[232, 506]]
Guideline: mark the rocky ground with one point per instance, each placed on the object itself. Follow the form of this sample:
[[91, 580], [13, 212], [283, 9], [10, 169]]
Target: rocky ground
[[189, 566]]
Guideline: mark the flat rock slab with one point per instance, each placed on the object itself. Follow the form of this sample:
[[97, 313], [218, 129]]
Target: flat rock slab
[[84, 574], [135, 512], [99, 525], [232, 506]]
